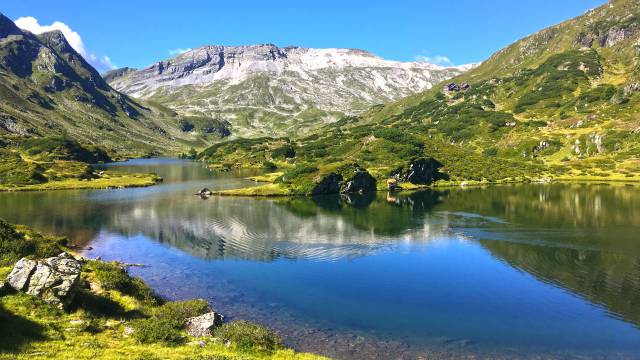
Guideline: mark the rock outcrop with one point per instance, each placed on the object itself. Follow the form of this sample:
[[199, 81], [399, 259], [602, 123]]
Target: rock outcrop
[[204, 324], [348, 181], [54, 279], [329, 184], [419, 171], [361, 182]]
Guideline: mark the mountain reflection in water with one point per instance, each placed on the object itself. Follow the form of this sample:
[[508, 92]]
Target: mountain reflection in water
[[581, 238]]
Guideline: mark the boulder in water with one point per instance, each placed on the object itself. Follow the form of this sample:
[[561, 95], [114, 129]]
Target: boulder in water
[[204, 192]]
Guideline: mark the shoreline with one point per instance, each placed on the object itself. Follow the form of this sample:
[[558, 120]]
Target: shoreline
[[270, 189], [113, 180], [112, 314]]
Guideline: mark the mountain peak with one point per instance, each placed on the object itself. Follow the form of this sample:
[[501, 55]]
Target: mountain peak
[[7, 27], [56, 40]]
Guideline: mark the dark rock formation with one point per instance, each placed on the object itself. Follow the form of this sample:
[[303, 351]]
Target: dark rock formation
[[361, 182], [420, 171], [355, 180], [204, 192], [330, 184]]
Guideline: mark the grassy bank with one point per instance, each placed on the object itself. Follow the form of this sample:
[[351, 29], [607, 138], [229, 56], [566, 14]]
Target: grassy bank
[[54, 163], [113, 316], [107, 180]]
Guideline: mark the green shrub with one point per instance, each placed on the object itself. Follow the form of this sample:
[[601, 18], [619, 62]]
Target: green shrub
[[298, 172], [63, 148], [268, 165], [176, 312], [15, 245], [286, 151], [154, 330], [492, 151], [398, 136], [166, 322], [113, 277], [248, 336], [15, 171]]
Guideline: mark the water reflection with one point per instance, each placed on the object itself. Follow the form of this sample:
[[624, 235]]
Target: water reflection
[[582, 238], [321, 228]]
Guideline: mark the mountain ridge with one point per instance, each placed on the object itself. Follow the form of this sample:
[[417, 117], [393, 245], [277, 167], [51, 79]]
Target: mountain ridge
[[263, 89], [49, 89]]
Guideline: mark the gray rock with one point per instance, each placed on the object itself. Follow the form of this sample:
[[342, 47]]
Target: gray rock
[[203, 324], [616, 35], [584, 40], [54, 280], [19, 276]]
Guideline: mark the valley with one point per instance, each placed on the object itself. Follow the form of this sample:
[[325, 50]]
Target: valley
[[221, 197]]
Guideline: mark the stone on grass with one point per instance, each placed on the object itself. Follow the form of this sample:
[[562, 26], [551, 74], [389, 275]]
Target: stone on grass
[[203, 324], [19, 276], [54, 280]]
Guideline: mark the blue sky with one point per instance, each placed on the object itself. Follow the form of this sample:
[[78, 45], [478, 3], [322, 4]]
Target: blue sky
[[138, 33]]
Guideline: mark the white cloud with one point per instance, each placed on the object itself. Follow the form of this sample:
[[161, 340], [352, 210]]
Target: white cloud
[[437, 60], [178, 51], [30, 23]]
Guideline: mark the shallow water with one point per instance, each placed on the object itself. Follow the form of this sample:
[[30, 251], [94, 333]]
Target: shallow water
[[501, 272]]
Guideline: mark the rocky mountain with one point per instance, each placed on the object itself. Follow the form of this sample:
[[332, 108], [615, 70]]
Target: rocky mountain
[[562, 103], [267, 90], [117, 73], [47, 88]]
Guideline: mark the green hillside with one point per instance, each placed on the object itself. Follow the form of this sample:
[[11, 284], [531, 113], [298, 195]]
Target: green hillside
[[48, 89], [560, 104]]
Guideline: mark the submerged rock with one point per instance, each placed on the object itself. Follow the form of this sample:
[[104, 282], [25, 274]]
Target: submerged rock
[[54, 279], [203, 325]]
